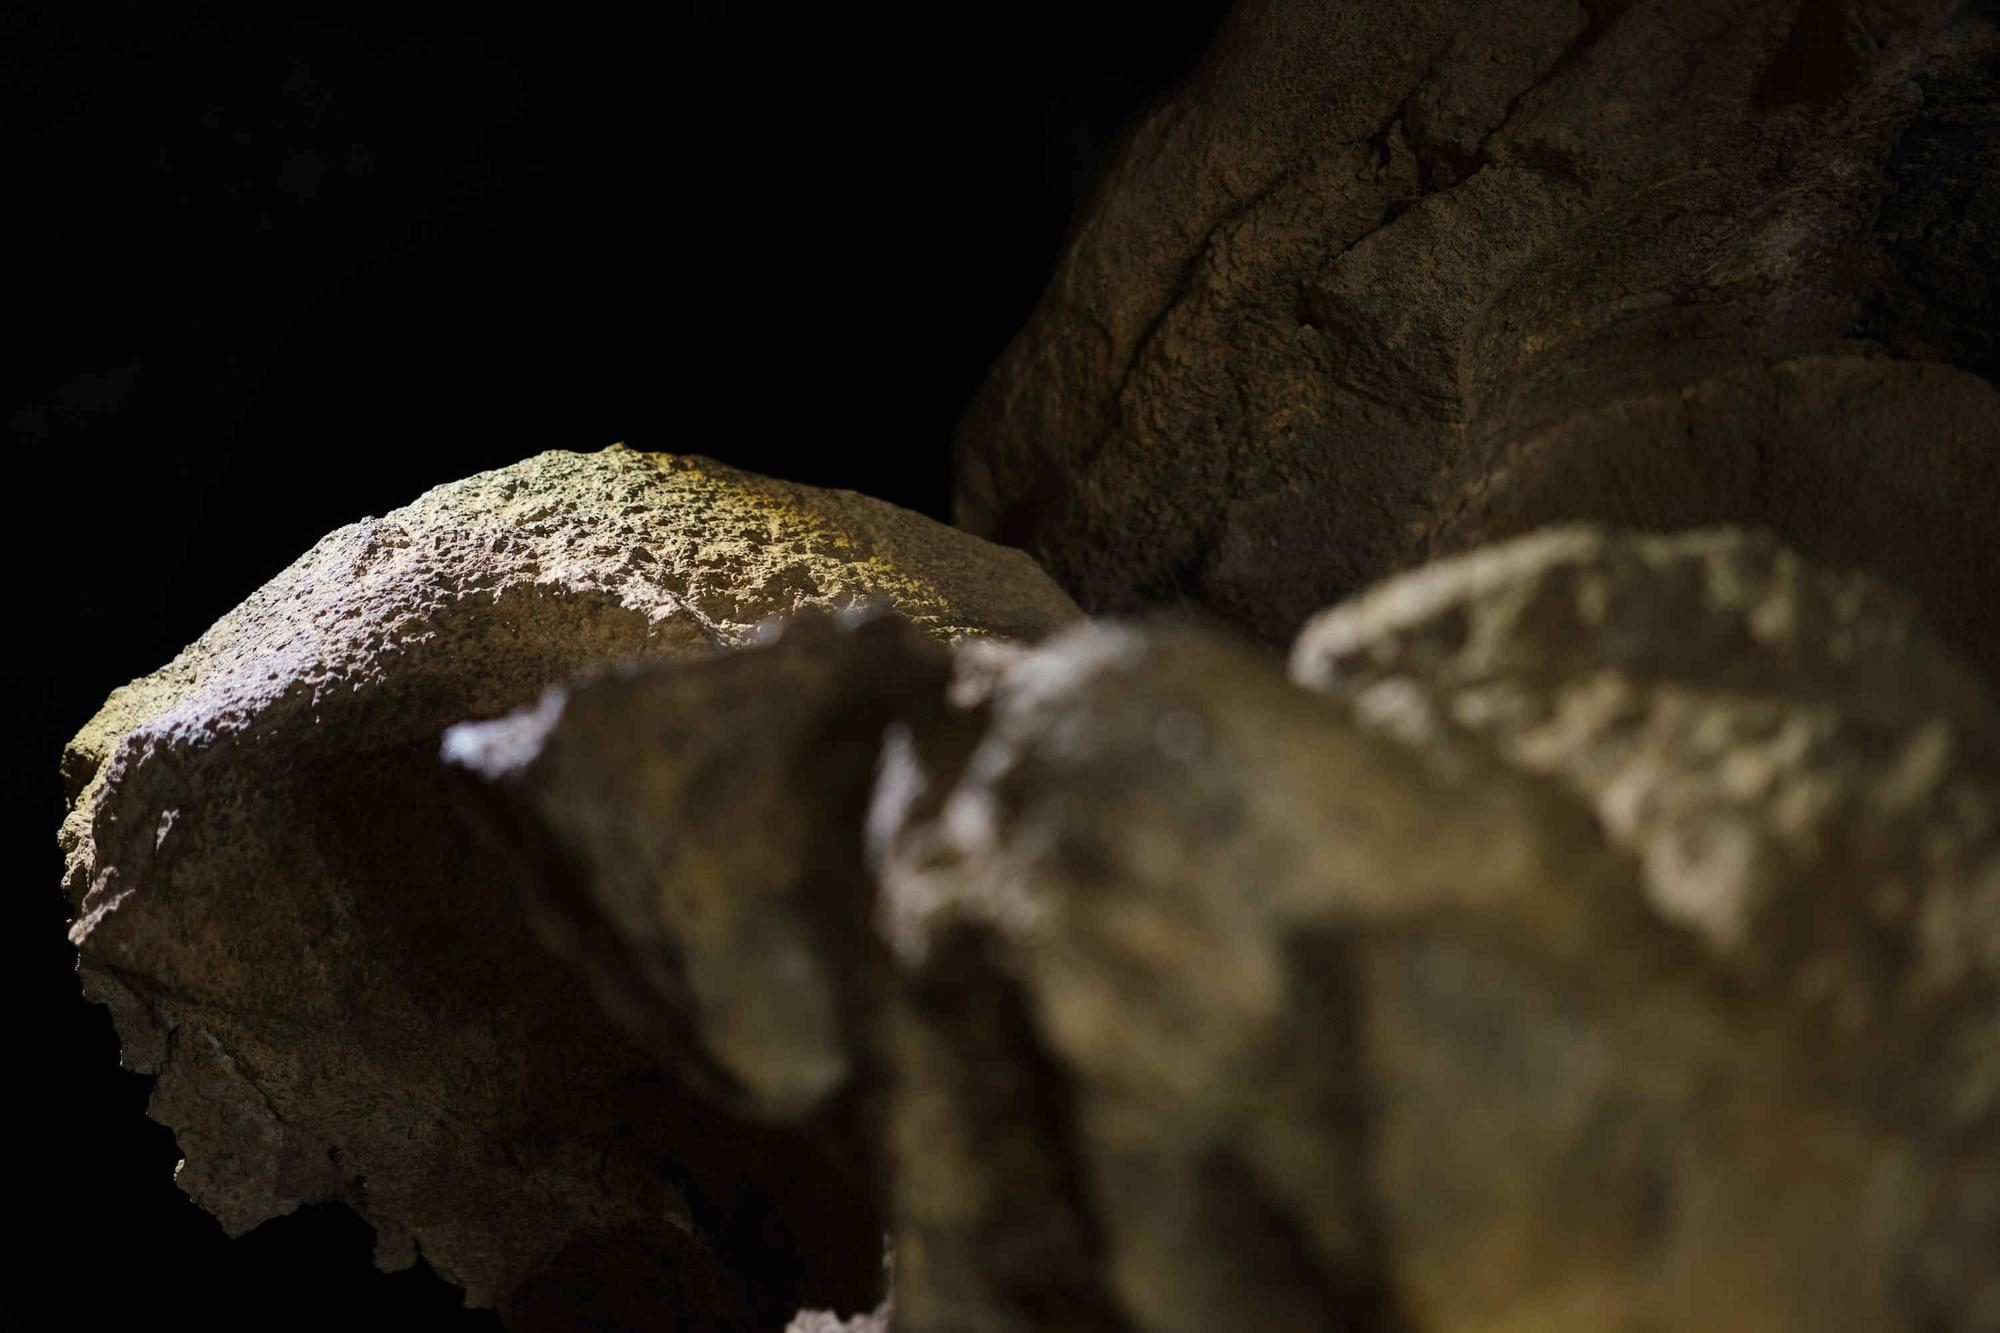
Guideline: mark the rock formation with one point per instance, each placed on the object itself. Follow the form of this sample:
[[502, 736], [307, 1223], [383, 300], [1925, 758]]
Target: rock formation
[[1390, 280], [690, 833], [642, 888], [276, 898], [1253, 1014], [1810, 784], [1614, 948]]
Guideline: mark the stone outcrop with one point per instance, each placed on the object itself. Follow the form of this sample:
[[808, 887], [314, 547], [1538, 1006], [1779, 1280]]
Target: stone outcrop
[[275, 896], [1391, 280], [1889, 466]]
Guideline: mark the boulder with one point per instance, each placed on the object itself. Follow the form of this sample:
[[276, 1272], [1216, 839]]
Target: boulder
[[277, 900]]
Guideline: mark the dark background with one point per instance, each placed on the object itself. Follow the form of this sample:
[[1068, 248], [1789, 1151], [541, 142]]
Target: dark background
[[274, 267]]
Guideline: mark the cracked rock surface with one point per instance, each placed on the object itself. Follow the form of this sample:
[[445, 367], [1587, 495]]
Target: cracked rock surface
[[275, 898], [1390, 280]]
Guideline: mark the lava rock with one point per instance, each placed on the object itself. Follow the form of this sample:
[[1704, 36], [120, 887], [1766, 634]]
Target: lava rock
[[277, 900], [1388, 280]]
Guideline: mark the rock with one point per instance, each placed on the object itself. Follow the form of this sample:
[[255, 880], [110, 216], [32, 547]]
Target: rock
[[1887, 465], [1614, 948], [1128, 1043], [1388, 280], [1808, 779], [276, 899], [1220, 1006], [691, 833], [1784, 749]]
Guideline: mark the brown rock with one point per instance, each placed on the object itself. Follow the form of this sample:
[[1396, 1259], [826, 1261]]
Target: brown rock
[[1808, 780], [1131, 1065], [1784, 749], [1887, 465], [1615, 950], [691, 833], [274, 897], [1223, 1008], [1389, 279]]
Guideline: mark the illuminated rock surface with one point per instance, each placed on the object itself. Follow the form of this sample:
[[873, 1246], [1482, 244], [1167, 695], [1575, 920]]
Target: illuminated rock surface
[[275, 897]]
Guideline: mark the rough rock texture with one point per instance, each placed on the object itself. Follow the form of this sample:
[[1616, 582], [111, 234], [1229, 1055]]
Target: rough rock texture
[[1808, 780], [1391, 279], [274, 896], [1220, 1007]]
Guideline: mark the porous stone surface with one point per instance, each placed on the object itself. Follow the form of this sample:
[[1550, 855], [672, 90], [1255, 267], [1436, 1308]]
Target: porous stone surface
[[275, 897], [1387, 280], [1222, 1006], [1600, 931]]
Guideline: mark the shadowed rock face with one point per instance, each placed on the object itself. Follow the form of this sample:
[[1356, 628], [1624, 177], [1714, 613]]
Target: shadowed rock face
[[275, 897], [1391, 280]]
